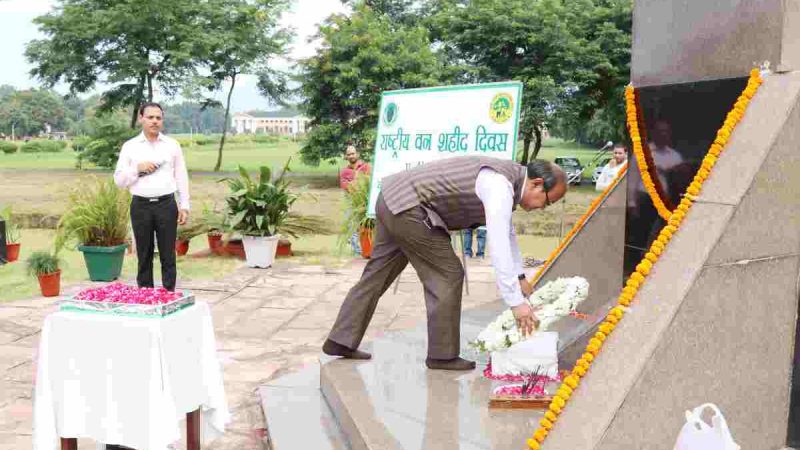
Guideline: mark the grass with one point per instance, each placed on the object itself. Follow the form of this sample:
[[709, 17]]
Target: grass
[[15, 282], [199, 158]]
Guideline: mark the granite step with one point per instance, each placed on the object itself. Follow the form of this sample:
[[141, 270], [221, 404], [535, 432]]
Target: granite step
[[297, 415]]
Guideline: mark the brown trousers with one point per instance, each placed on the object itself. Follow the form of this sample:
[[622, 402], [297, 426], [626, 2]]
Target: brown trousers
[[400, 239]]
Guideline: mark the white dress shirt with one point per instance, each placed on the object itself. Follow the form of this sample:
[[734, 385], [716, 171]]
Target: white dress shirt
[[608, 175], [497, 195], [171, 175]]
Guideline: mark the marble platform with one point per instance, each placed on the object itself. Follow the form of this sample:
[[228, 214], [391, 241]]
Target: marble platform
[[393, 401]]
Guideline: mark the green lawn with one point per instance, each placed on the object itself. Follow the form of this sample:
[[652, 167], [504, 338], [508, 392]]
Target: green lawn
[[200, 158]]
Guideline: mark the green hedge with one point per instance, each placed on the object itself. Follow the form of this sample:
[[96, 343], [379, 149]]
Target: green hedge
[[43, 146], [8, 147]]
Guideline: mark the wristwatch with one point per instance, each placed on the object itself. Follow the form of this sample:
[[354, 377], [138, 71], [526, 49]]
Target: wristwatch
[[521, 277]]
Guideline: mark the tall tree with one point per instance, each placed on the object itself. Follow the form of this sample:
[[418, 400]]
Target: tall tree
[[28, 112], [361, 55], [569, 54], [249, 38], [135, 46]]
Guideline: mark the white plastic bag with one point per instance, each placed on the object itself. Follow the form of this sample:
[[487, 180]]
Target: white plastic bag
[[696, 434]]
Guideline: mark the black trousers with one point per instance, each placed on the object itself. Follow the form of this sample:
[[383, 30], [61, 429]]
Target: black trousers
[[157, 216]]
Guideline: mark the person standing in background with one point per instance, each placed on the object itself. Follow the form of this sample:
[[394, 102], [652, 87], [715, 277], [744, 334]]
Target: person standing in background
[[613, 167], [152, 167], [346, 177]]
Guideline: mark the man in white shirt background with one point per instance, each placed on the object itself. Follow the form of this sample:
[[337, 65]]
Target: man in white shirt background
[[152, 167], [415, 211], [610, 171]]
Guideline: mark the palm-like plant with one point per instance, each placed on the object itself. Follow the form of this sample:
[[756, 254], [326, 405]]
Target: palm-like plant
[[42, 263], [356, 200], [259, 207], [96, 216], [12, 230]]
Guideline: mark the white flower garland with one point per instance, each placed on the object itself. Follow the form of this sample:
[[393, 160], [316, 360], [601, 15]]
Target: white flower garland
[[551, 302]]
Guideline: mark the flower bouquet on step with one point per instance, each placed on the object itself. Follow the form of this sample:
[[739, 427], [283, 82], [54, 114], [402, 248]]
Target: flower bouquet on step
[[511, 353]]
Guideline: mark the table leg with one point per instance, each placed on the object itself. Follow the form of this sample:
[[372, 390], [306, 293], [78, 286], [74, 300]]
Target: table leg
[[69, 444], [193, 430]]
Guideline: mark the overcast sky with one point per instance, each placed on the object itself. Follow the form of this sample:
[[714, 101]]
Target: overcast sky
[[17, 28]]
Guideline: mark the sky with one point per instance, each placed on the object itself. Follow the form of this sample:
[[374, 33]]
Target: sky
[[17, 28]]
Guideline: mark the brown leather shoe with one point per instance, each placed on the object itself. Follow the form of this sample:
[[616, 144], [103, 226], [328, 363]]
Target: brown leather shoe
[[335, 349], [449, 364]]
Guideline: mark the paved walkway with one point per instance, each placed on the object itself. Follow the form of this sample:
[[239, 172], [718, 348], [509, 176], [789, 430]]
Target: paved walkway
[[267, 322]]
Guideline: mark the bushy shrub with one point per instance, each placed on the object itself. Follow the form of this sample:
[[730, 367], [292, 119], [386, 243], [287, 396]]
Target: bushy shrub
[[239, 138], [184, 142], [105, 144], [8, 147], [266, 139], [43, 146], [202, 139]]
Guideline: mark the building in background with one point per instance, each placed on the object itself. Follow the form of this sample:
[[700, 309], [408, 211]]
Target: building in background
[[287, 122]]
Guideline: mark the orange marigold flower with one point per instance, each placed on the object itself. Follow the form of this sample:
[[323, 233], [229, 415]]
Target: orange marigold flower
[[617, 311], [571, 381], [652, 257], [612, 318], [624, 301], [693, 190], [596, 342], [605, 327], [555, 408], [549, 415], [580, 371], [539, 435], [546, 424], [638, 277], [632, 283], [533, 445], [600, 336]]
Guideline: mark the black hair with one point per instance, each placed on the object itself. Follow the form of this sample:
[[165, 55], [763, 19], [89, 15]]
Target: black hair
[[146, 105], [547, 171]]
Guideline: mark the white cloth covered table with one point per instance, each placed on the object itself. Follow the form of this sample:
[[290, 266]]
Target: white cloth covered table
[[127, 380]]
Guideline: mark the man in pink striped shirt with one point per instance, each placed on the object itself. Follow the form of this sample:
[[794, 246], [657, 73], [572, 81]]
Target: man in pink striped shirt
[[152, 167]]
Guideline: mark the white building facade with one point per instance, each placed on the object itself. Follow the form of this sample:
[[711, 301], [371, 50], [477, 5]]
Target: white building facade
[[276, 123]]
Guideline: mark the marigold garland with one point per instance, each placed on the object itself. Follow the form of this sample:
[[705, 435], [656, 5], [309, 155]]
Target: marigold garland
[[579, 224], [637, 279], [644, 160]]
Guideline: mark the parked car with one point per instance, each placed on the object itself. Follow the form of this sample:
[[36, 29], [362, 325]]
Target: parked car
[[599, 169], [572, 167]]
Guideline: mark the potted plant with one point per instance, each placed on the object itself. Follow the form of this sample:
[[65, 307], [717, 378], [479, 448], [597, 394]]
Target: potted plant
[[214, 224], [356, 219], [44, 265], [12, 235], [185, 234], [257, 209], [97, 219]]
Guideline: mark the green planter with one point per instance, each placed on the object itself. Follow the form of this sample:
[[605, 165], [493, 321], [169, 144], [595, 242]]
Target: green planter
[[103, 263]]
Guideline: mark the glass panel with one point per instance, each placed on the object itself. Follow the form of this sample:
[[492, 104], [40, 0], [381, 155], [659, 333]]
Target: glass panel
[[681, 122]]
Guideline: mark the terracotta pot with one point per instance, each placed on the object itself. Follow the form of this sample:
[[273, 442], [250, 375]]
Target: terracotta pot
[[235, 248], [365, 237], [50, 284], [181, 247], [215, 244], [12, 252], [284, 248]]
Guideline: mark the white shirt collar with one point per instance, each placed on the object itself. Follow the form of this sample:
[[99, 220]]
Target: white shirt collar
[[143, 138]]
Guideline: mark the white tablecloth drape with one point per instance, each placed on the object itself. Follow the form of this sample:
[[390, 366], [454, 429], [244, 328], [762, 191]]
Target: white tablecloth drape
[[127, 380]]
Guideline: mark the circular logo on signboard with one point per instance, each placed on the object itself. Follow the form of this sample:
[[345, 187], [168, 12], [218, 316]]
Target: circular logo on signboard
[[390, 113], [502, 107]]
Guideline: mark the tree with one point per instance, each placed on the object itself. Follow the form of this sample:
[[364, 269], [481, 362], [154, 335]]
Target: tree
[[247, 40], [192, 117], [28, 112], [132, 45], [360, 56], [572, 56]]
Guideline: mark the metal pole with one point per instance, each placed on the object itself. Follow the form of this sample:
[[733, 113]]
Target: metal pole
[[563, 212]]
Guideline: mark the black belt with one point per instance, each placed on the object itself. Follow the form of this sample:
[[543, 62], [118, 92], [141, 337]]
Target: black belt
[[154, 199]]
